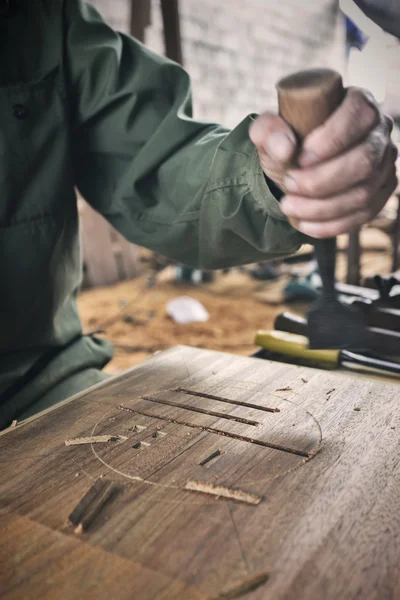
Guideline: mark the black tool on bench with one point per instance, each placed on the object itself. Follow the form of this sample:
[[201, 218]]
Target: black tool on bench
[[385, 294], [381, 340], [375, 315]]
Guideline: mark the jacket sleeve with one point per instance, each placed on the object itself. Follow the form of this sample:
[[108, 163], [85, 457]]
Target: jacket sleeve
[[385, 13], [190, 190]]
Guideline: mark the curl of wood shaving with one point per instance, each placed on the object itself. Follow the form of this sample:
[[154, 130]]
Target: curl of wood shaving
[[95, 439]]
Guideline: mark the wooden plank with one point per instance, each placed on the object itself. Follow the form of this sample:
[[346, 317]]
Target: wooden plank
[[49, 564], [107, 256], [98, 256], [126, 256], [326, 525]]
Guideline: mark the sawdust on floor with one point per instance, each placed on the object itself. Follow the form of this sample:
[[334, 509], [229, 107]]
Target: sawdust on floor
[[122, 312], [133, 315]]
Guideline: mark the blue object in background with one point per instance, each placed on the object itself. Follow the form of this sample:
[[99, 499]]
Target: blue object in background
[[355, 38]]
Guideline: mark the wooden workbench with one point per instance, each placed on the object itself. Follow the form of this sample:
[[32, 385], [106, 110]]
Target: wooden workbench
[[313, 506]]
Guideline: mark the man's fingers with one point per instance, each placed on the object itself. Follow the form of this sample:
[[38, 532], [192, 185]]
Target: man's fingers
[[326, 209], [345, 224], [359, 198], [343, 172], [351, 122], [274, 138]]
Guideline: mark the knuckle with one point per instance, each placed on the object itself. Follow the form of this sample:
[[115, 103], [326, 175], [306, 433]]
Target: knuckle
[[319, 231], [375, 148], [262, 125], [357, 97], [367, 162], [308, 186], [362, 197], [327, 229], [367, 216], [388, 123], [393, 153], [312, 211], [393, 184], [337, 143], [333, 230], [255, 132], [310, 182], [365, 107]]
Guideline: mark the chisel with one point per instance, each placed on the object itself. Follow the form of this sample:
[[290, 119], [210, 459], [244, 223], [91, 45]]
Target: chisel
[[306, 100], [296, 346]]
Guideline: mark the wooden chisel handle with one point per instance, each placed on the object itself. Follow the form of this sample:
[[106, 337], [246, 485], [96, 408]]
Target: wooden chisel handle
[[306, 100]]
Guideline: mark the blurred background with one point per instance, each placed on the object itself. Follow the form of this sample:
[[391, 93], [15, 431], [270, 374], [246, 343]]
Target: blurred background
[[235, 52]]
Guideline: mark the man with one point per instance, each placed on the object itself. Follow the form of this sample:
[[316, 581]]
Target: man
[[385, 13], [82, 105]]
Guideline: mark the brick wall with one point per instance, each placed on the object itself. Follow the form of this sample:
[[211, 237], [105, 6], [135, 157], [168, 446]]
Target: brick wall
[[236, 50], [392, 103]]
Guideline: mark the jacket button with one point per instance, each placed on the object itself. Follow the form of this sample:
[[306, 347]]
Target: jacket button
[[19, 111]]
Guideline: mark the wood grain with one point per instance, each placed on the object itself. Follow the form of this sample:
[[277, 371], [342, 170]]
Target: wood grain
[[327, 526]]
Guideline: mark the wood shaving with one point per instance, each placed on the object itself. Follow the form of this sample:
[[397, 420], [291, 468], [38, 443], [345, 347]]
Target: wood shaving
[[95, 439], [218, 490]]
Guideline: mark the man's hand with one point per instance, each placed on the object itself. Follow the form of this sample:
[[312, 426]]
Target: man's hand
[[346, 168]]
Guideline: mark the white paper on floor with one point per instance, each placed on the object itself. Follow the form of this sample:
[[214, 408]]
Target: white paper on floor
[[185, 309]]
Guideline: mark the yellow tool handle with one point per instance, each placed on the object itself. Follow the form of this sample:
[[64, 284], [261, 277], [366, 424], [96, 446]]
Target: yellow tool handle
[[291, 344]]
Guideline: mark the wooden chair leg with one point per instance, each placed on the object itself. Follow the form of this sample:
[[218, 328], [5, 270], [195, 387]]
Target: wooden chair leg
[[354, 258], [140, 18], [172, 34]]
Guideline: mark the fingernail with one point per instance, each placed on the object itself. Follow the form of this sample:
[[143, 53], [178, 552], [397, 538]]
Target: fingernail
[[308, 158], [290, 184], [280, 145]]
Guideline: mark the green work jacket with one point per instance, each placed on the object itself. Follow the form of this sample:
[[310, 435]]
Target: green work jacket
[[82, 106]]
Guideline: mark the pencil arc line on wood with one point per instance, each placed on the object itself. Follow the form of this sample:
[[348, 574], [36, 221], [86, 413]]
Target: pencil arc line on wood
[[134, 478]]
